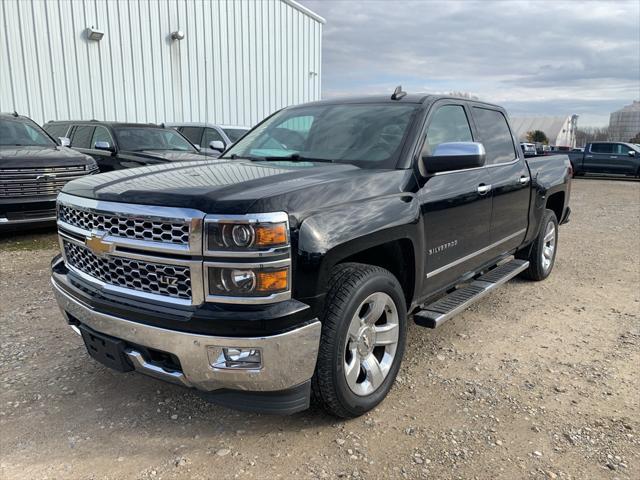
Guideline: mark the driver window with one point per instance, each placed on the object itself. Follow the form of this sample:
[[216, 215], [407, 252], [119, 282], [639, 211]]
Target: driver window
[[211, 135], [101, 134], [448, 124]]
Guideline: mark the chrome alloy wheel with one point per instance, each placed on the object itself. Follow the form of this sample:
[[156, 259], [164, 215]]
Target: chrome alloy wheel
[[549, 245], [371, 344]]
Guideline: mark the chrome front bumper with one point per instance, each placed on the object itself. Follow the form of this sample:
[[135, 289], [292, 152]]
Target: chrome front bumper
[[288, 359]]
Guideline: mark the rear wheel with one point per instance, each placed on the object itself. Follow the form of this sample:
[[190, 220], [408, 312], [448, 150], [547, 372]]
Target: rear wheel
[[363, 339], [542, 255]]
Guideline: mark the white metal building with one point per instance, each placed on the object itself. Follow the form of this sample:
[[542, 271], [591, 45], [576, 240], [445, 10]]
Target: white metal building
[[239, 60], [561, 131], [624, 124]]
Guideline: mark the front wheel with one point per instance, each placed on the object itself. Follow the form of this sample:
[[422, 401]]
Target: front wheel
[[363, 338], [542, 255]]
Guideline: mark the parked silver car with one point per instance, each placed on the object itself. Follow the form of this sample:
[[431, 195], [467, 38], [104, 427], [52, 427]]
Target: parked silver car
[[210, 137], [529, 149]]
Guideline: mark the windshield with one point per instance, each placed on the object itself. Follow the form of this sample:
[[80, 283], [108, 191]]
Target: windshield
[[235, 134], [145, 138], [369, 135], [19, 132]]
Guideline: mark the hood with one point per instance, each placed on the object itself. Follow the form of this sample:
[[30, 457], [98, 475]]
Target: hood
[[171, 155], [41, 157], [239, 186]]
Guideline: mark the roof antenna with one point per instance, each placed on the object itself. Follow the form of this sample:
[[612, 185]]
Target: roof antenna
[[15, 114], [398, 93]]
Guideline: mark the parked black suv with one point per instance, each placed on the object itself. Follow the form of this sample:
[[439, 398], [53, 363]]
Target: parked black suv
[[125, 145], [296, 261], [33, 169]]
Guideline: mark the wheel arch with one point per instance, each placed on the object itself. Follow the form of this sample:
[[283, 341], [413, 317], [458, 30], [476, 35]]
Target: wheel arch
[[384, 233]]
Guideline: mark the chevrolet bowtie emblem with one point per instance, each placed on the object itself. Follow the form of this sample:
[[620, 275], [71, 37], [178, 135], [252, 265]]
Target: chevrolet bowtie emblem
[[97, 244], [45, 177]]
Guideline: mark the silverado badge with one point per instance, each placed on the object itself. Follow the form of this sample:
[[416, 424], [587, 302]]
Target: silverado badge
[[97, 244]]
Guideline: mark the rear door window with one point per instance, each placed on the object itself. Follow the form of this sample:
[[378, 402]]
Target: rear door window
[[82, 136], [494, 135]]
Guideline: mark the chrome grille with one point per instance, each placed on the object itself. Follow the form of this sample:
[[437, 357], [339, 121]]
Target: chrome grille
[[170, 280], [155, 230], [28, 182]]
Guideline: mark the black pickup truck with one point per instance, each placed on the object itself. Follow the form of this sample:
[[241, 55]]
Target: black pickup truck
[[117, 145], [607, 158], [293, 264], [33, 169]]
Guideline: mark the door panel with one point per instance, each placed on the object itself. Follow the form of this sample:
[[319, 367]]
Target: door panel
[[509, 177], [621, 162], [597, 159], [457, 225], [510, 212], [457, 216]]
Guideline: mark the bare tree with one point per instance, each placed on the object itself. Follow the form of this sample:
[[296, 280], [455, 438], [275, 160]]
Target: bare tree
[[468, 95], [591, 134]]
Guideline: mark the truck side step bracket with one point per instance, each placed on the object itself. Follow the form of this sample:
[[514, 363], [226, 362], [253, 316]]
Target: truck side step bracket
[[438, 312]]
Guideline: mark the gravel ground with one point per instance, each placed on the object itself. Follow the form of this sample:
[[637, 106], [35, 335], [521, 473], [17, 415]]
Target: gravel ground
[[538, 380]]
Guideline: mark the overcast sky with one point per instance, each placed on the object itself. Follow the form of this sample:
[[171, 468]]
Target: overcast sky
[[540, 57]]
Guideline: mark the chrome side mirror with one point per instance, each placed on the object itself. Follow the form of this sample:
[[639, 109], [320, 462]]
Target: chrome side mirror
[[104, 146], [455, 156], [632, 153], [64, 141], [216, 145]]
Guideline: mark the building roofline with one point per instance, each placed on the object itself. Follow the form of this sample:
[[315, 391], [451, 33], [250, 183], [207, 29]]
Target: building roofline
[[304, 10]]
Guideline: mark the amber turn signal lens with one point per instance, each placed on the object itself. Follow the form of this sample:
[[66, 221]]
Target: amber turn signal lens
[[273, 281], [271, 235]]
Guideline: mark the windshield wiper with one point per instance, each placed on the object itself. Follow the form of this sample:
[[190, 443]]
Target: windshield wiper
[[253, 158], [296, 157]]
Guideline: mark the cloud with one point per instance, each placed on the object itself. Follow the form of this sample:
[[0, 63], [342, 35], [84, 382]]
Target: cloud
[[535, 58]]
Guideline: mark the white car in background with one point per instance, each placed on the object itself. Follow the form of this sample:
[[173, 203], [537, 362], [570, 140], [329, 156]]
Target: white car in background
[[209, 137], [529, 149]]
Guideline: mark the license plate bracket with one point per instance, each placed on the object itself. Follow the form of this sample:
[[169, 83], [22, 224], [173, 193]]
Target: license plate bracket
[[105, 349]]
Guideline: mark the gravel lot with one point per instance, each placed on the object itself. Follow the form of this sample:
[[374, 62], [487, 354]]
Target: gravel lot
[[539, 380]]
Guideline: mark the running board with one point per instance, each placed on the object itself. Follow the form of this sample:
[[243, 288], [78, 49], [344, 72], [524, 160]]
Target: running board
[[435, 314]]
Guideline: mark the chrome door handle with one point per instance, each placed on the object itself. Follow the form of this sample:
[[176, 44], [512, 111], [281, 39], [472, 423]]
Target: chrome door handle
[[589, 156], [523, 180], [614, 157], [484, 189]]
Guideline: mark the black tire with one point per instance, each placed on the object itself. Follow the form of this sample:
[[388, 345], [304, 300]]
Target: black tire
[[350, 285], [537, 270]]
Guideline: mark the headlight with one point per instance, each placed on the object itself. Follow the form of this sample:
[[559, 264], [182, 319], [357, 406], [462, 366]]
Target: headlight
[[263, 232], [260, 268], [91, 166], [267, 281]]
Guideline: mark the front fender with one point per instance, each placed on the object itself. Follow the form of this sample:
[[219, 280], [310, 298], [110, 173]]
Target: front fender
[[328, 237]]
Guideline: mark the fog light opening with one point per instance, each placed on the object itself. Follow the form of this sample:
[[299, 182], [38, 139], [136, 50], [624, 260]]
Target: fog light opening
[[239, 358]]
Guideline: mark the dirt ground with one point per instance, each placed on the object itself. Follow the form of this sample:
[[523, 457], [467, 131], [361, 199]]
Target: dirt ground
[[538, 380]]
